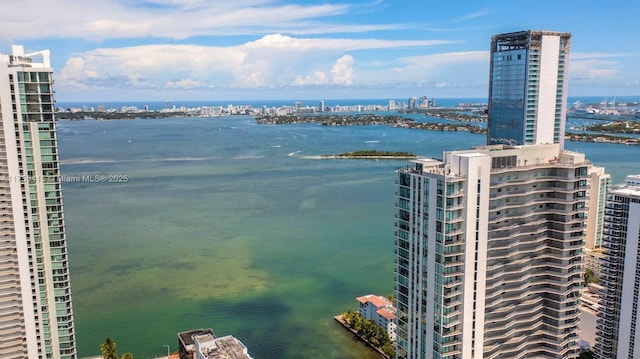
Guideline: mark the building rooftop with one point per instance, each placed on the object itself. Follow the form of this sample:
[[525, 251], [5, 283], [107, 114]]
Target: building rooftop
[[226, 347], [386, 313], [376, 300], [631, 187], [19, 58], [186, 337]]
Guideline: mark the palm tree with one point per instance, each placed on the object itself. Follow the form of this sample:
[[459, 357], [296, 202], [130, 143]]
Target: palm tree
[[108, 349]]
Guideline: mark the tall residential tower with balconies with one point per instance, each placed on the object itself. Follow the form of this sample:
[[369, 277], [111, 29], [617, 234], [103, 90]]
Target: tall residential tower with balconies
[[36, 315], [618, 328], [489, 253]]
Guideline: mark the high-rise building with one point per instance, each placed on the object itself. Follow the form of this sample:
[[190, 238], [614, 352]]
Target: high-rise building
[[593, 255], [36, 316], [489, 253], [528, 87], [412, 102], [618, 326], [489, 241]]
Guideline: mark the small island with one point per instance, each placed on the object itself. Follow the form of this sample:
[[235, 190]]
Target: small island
[[631, 127], [374, 154]]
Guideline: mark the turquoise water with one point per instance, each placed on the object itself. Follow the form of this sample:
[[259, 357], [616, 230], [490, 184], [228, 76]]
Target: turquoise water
[[236, 226]]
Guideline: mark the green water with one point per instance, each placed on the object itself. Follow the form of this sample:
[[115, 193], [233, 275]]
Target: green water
[[221, 225]]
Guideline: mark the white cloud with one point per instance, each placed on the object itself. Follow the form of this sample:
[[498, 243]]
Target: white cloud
[[592, 70], [185, 84], [451, 69], [600, 55], [175, 19], [317, 78], [272, 61], [342, 71]]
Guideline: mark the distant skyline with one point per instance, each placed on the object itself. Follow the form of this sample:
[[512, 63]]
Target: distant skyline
[[117, 50]]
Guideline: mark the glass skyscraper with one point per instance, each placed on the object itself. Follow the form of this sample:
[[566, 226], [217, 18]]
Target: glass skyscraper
[[528, 87], [36, 315]]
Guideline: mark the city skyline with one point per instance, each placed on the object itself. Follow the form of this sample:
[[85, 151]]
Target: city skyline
[[159, 50]]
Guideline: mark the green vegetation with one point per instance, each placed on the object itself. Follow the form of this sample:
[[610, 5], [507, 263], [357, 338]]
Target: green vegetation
[[590, 277], [586, 355], [370, 331], [109, 350], [616, 127], [375, 153], [365, 120], [600, 137]]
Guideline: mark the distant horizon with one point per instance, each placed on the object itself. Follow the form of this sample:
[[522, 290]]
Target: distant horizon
[[626, 98]]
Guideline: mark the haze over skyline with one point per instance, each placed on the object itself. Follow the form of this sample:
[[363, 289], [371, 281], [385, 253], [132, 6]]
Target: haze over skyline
[[270, 49]]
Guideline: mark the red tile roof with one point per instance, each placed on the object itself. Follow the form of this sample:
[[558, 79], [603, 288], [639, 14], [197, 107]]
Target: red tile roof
[[386, 313], [376, 300]]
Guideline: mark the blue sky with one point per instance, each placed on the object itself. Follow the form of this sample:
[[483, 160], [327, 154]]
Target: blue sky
[[114, 50]]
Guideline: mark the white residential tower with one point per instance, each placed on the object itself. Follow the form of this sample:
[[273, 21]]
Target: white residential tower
[[36, 315]]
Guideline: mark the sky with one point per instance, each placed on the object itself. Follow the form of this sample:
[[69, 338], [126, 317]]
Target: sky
[[158, 50]]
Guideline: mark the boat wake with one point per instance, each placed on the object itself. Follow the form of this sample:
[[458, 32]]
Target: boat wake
[[293, 153], [311, 157], [88, 161], [248, 157], [372, 141]]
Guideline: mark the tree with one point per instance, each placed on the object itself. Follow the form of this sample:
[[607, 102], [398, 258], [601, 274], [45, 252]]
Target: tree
[[590, 277], [108, 349], [127, 356]]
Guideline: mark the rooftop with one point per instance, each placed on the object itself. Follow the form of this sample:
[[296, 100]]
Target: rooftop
[[386, 313], [376, 300], [186, 337], [226, 347]]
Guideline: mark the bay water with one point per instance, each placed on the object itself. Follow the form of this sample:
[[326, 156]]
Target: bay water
[[225, 224]]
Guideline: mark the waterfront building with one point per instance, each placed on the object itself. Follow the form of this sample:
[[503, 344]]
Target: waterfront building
[[321, 106], [489, 253], [618, 326], [412, 103], [528, 87], [203, 344], [36, 318], [380, 310]]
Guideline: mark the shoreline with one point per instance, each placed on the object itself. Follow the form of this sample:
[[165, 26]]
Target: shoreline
[[339, 120], [326, 157], [338, 318]]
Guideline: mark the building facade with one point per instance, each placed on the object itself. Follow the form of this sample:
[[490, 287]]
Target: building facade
[[36, 315], [380, 310], [528, 87], [601, 181], [489, 253], [618, 326]]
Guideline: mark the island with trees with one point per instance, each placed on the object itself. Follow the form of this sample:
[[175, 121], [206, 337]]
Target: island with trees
[[451, 114], [368, 331], [373, 154], [366, 120], [631, 127]]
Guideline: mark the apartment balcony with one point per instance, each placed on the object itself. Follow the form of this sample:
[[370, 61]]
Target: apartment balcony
[[452, 284]]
